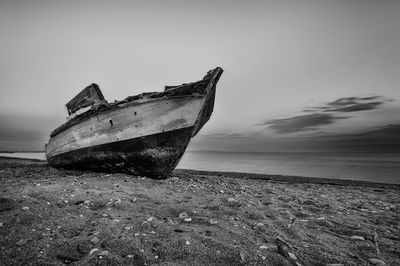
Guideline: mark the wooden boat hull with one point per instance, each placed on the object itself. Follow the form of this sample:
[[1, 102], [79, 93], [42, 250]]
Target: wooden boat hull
[[153, 155], [141, 137]]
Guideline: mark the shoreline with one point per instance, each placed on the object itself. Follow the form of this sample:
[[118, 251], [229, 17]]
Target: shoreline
[[56, 217], [281, 178]]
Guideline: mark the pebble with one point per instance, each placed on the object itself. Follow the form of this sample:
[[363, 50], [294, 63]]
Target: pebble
[[104, 253], [243, 255], [263, 258], [263, 247], [183, 215], [212, 222], [292, 256], [357, 238], [188, 220], [150, 219], [130, 256], [93, 251], [259, 224], [22, 242], [95, 240], [232, 200], [187, 242], [1, 224], [375, 261], [25, 208]]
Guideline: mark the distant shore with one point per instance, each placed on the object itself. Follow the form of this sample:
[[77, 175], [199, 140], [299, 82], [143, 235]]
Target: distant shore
[[50, 216]]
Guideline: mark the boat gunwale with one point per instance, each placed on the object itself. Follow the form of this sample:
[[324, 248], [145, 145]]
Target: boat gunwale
[[113, 107]]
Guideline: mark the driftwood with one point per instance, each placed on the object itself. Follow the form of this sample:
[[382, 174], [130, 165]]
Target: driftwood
[[285, 249], [378, 252]]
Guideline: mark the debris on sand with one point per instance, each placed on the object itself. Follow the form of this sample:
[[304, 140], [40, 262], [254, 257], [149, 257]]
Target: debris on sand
[[236, 227], [285, 249]]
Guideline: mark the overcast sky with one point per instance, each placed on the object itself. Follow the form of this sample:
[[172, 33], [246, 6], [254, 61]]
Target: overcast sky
[[299, 75]]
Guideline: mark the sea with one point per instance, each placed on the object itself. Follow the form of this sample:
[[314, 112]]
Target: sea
[[373, 167]]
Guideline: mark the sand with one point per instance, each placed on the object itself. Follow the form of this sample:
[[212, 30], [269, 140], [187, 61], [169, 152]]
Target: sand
[[55, 217]]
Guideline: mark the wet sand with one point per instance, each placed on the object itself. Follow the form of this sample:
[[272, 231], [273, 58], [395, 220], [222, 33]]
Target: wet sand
[[56, 217]]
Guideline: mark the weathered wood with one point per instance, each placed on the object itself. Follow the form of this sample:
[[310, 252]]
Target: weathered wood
[[145, 134], [89, 96]]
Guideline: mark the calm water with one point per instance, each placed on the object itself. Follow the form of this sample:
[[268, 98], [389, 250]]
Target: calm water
[[383, 168]]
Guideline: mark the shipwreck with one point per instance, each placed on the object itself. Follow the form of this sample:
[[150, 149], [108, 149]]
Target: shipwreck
[[145, 134]]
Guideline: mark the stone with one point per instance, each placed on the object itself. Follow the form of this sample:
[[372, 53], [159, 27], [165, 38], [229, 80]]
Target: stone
[[232, 202], [146, 225], [188, 220], [104, 253], [25, 208], [243, 255], [22, 242], [375, 261], [360, 238], [187, 242], [93, 251], [150, 219], [183, 215], [212, 222], [292, 256], [263, 247], [95, 240]]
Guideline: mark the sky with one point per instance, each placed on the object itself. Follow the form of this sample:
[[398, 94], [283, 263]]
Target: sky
[[299, 75]]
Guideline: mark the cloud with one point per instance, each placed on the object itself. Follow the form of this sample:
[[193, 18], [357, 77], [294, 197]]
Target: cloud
[[349, 104], [301, 123], [226, 135], [378, 139]]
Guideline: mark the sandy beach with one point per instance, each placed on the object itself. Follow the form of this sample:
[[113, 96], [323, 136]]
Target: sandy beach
[[55, 217]]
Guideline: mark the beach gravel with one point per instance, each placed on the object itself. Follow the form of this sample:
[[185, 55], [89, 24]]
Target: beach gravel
[[193, 218]]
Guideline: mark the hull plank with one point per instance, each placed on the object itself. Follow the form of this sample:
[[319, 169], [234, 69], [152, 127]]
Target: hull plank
[[126, 123], [154, 155]]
